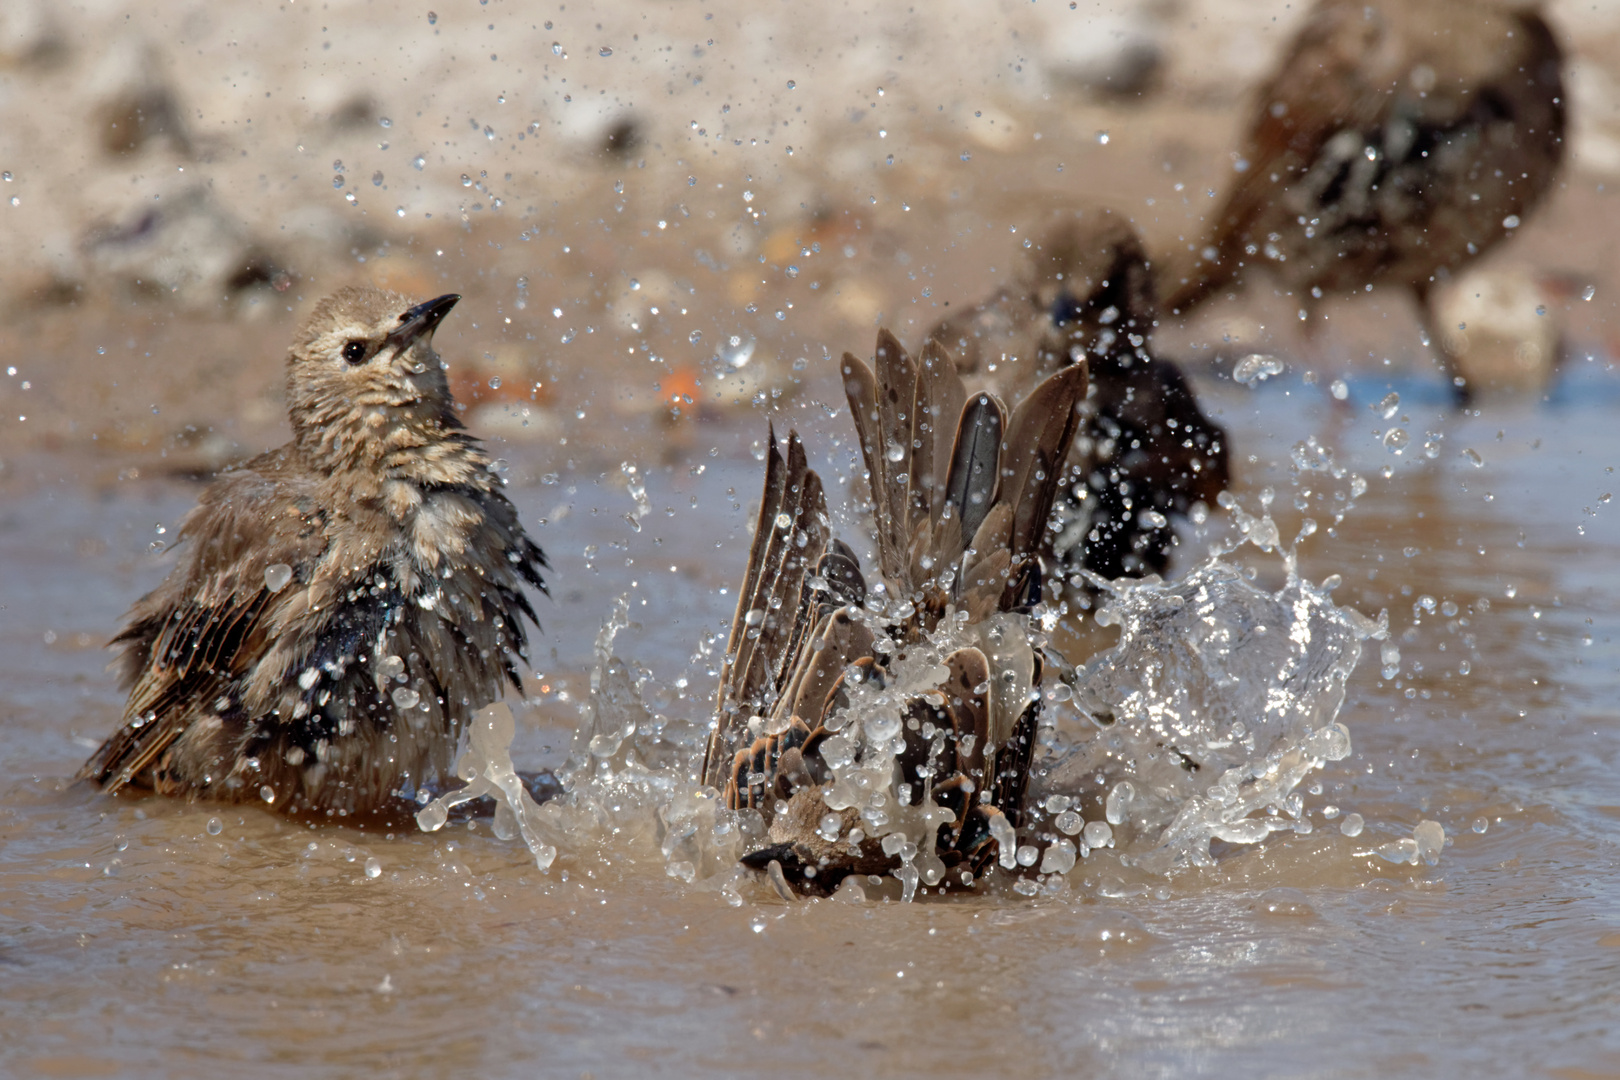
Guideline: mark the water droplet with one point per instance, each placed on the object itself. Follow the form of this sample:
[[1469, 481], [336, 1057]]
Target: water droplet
[[433, 17], [1118, 806], [1586, 293], [419, 162], [604, 51], [695, 336], [377, 178], [373, 868], [556, 48], [406, 698], [466, 181], [1102, 138], [494, 382], [1059, 858], [1473, 458], [1395, 440], [1511, 221], [1308, 455], [385, 122], [1339, 389], [1352, 825], [737, 351], [1431, 840], [1256, 368], [214, 826], [267, 793], [276, 576]]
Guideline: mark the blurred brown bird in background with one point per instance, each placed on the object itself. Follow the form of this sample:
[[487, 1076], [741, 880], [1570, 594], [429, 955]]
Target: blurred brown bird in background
[[1146, 452], [962, 492], [1397, 141], [343, 604]]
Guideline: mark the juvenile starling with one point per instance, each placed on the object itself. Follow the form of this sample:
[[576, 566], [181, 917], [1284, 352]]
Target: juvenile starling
[[962, 494], [1397, 141], [1146, 453], [342, 604]]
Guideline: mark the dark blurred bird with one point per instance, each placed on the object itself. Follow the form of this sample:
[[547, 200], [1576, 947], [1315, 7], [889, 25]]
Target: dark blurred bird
[[342, 604], [1146, 452], [1397, 141], [962, 493]]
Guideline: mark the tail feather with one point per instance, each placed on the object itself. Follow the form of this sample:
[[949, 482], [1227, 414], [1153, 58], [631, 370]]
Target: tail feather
[[961, 492], [970, 490], [771, 606], [936, 405], [1043, 427]]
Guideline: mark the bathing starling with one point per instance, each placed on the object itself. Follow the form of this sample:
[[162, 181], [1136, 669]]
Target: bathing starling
[[342, 604], [1396, 142], [1146, 453], [962, 491]]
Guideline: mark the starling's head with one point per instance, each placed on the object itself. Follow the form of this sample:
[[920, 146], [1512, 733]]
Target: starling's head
[[1097, 288], [1087, 267], [365, 357]]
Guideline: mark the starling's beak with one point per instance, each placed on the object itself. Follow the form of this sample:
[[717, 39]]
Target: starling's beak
[[419, 322]]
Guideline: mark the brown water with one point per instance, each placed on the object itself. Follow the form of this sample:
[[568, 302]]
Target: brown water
[[144, 937]]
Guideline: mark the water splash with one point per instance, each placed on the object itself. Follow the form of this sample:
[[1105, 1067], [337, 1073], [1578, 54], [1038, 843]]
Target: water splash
[[486, 766], [1198, 726], [1218, 700]]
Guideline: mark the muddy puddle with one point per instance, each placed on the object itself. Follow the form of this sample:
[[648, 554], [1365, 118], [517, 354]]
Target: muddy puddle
[[637, 310], [146, 937]]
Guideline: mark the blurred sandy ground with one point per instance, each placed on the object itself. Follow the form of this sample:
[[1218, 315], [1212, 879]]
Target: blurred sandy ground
[[655, 210]]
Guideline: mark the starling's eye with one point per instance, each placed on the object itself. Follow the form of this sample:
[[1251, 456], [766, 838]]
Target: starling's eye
[[354, 352]]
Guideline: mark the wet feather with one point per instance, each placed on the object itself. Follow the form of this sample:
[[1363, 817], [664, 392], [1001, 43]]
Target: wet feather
[[342, 604]]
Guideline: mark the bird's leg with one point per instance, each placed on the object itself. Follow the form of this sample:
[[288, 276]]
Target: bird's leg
[[1461, 393], [1313, 351]]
